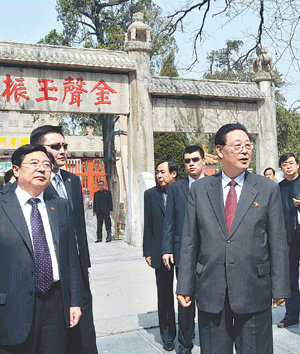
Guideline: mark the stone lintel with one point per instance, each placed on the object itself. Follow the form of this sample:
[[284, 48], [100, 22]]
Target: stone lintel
[[216, 89], [43, 55]]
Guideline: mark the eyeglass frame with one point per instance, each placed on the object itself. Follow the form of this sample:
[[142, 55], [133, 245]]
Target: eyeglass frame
[[241, 146], [61, 145], [35, 165], [194, 159]]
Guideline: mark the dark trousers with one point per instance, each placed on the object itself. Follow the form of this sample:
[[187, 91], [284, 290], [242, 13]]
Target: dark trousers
[[48, 331], [292, 304], [82, 338], [165, 297], [251, 333], [186, 323], [106, 219]]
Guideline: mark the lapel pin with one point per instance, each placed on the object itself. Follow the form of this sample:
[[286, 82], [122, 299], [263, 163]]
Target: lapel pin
[[256, 204], [52, 208], [69, 179]]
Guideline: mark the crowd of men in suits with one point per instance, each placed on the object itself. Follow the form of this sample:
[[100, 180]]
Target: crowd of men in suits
[[45, 297], [234, 241]]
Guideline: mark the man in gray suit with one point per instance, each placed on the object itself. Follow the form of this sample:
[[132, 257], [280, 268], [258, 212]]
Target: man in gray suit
[[39, 268], [234, 251], [178, 192]]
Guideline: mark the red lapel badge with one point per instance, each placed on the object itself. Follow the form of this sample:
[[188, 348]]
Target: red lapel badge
[[256, 204], [69, 179], [52, 208]]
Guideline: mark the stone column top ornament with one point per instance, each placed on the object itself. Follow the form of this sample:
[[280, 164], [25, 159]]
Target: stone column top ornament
[[262, 66], [138, 36]]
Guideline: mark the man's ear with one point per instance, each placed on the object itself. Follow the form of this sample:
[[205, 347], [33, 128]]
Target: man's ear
[[174, 174], [219, 151], [16, 170]]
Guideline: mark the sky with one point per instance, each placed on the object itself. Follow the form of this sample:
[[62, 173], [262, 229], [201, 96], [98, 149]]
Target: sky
[[27, 21]]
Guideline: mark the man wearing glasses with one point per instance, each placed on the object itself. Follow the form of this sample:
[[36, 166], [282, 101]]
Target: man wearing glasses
[[39, 268], [234, 252], [81, 339], [290, 195], [193, 158]]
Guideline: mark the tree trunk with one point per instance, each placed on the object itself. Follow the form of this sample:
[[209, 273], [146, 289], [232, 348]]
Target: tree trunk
[[108, 130]]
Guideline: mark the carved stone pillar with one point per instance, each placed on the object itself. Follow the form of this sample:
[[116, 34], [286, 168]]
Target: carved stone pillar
[[266, 143], [140, 126]]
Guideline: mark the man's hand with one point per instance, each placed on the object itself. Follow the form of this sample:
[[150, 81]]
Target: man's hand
[[167, 259], [94, 213], [148, 260], [110, 213], [75, 314], [277, 302], [296, 201], [185, 300]]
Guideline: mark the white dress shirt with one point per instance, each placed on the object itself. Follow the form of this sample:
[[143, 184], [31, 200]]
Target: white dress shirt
[[62, 181], [23, 198], [238, 188], [192, 180]]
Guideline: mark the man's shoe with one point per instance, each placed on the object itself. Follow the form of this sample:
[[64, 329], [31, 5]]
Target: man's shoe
[[169, 346], [98, 241], [182, 350], [286, 323], [108, 240]]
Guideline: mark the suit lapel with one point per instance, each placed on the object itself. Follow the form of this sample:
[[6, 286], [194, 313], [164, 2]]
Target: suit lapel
[[68, 185], [184, 185], [13, 210], [247, 197], [215, 195], [53, 221], [159, 197]]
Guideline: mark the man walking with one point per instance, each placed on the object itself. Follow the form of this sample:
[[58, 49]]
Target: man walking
[[155, 200], [193, 158], [82, 339], [39, 269], [102, 208], [290, 195], [234, 251]]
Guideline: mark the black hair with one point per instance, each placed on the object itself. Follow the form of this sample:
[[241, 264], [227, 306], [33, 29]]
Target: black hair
[[220, 137], [269, 168], [36, 136], [287, 155], [192, 148], [8, 175], [172, 166], [19, 154]]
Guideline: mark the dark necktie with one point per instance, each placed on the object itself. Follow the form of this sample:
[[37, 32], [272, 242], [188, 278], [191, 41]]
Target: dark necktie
[[59, 188], [42, 258], [231, 204]]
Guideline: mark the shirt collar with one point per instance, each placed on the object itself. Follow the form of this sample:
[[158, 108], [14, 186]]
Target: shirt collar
[[23, 196], [56, 173], [191, 180], [239, 179]]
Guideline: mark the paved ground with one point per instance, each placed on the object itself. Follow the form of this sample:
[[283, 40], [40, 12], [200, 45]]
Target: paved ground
[[124, 294]]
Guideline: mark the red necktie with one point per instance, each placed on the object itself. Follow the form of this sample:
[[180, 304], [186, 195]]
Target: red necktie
[[231, 204]]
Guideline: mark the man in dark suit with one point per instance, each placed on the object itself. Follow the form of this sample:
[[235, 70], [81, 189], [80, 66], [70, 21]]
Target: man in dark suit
[[290, 195], [234, 251], [39, 269], [155, 200], [193, 158], [102, 208], [82, 338]]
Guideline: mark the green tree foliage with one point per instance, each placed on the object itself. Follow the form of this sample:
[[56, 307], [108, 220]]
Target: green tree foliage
[[168, 67], [170, 146]]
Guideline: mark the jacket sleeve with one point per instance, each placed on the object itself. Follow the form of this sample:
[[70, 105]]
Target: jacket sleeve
[[189, 251], [169, 223], [94, 203], [110, 203], [278, 247], [148, 227]]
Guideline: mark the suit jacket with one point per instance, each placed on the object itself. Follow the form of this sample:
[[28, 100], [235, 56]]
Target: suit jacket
[[290, 189], [178, 193], [17, 273], [154, 215], [75, 199], [102, 203], [250, 262]]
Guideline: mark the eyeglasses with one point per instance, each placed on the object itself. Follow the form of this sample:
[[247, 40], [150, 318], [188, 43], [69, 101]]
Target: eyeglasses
[[194, 159], [34, 165], [239, 147], [58, 146]]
